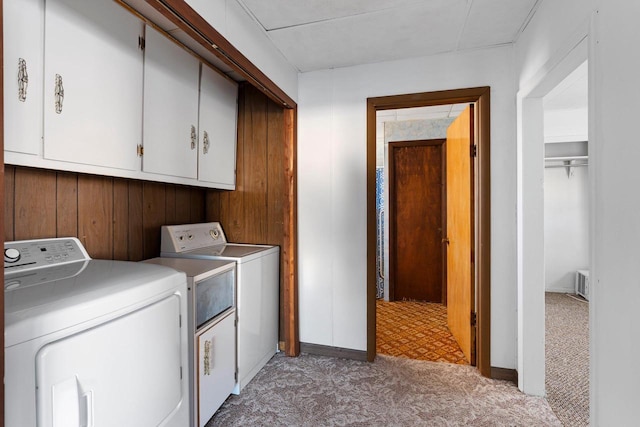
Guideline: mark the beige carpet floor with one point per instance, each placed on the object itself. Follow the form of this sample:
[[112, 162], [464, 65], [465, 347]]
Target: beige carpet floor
[[392, 391], [416, 330], [567, 358]]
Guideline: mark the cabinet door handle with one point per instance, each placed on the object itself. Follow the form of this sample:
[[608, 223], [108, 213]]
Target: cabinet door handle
[[59, 93], [207, 357], [194, 137], [23, 80], [205, 142]]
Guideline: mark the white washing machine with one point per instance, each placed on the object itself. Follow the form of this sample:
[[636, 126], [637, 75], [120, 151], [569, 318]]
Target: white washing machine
[[258, 284], [211, 330], [92, 342]]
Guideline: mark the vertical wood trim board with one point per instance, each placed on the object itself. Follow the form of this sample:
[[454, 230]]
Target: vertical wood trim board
[[4, 214], [290, 236], [35, 204], [95, 215], [67, 201], [9, 187]]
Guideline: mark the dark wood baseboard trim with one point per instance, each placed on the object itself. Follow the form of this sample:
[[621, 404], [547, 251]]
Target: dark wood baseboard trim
[[504, 374], [325, 350]]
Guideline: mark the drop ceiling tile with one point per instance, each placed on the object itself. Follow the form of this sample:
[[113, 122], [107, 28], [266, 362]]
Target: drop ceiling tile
[[274, 14], [417, 30], [495, 22]]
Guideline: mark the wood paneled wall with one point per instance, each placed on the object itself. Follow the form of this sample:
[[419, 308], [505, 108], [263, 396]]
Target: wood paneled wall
[[114, 218], [255, 211]]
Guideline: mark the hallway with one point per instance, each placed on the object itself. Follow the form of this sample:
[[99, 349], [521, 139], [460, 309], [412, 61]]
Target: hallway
[[416, 330]]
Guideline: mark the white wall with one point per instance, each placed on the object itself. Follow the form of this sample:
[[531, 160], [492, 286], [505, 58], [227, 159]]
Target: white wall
[[566, 125], [566, 227], [615, 343], [332, 189], [241, 30]]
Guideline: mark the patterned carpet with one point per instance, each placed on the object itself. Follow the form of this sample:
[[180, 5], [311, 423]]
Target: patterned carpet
[[320, 391], [416, 330], [567, 358]]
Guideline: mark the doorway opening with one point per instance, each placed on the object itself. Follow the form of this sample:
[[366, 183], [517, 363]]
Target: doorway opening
[[530, 163], [479, 256], [566, 247], [421, 150]]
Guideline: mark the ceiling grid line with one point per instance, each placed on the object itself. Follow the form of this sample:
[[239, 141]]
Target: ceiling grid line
[[326, 34]]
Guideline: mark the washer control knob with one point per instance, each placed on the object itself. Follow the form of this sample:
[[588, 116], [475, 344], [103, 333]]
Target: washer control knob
[[11, 255], [214, 233]]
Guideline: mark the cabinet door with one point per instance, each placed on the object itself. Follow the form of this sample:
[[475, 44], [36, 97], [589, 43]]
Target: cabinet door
[[93, 84], [216, 366], [23, 22], [218, 118], [170, 108]]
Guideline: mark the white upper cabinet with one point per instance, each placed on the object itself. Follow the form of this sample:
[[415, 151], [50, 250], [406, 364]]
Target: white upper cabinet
[[23, 55], [93, 84], [170, 108], [218, 118], [89, 89]]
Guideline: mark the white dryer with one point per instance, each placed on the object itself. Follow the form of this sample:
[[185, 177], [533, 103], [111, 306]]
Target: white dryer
[[258, 284], [92, 342]]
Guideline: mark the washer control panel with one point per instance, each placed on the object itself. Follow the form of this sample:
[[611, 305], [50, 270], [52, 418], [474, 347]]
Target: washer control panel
[[180, 238], [31, 254]]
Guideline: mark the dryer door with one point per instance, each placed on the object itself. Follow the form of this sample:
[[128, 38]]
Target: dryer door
[[123, 372]]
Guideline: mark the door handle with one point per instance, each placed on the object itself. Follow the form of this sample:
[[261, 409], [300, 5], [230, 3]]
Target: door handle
[[445, 240]]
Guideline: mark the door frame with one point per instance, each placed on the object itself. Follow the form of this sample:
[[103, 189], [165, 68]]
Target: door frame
[[392, 211], [482, 208]]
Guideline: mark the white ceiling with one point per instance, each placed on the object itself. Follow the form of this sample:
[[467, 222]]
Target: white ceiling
[[324, 34]]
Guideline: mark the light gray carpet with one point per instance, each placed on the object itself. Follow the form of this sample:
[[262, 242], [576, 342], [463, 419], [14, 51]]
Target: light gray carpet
[[321, 391], [567, 358]]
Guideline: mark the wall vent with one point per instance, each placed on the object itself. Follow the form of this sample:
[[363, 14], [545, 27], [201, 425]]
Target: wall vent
[[582, 283]]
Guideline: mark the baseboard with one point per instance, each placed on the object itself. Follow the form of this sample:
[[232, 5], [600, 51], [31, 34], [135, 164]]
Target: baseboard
[[571, 290], [325, 350], [504, 374]]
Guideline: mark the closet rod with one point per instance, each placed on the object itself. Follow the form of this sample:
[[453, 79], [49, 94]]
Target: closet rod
[[565, 158], [575, 165]]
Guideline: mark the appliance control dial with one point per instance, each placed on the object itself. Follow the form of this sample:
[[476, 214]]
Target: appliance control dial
[[214, 233], [11, 255]]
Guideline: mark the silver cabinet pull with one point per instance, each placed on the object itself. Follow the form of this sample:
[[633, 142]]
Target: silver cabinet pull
[[59, 93], [194, 137], [207, 357], [205, 143], [23, 80]]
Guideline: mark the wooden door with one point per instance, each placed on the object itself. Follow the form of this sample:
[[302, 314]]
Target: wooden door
[[416, 220], [460, 231]]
